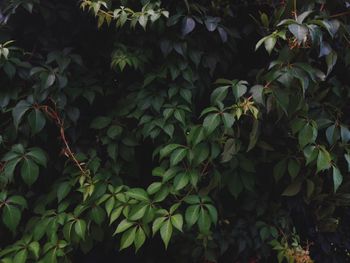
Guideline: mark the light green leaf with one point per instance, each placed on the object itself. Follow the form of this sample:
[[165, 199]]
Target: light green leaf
[[177, 156], [165, 232], [140, 238], [177, 221], [80, 228], [128, 238], [192, 214]]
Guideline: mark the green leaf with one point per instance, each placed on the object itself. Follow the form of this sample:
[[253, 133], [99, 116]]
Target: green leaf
[[292, 189], [270, 43], [165, 232], [34, 248], [177, 156], [204, 221], [154, 187], [337, 178], [80, 228], [310, 153], [137, 212], [123, 225], [19, 110], [38, 155], [307, 135], [128, 238], [157, 224], [21, 256], [177, 221], [239, 89], [180, 181], [100, 123], [299, 31], [98, 215], [228, 119], [323, 160], [293, 168], [331, 60], [63, 190], [168, 150], [347, 158], [29, 171], [138, 194], [213, 213], [211, 122], [114, 131], [280, 169], [140, 238], [11, 216], [36, 121], [192, 214]]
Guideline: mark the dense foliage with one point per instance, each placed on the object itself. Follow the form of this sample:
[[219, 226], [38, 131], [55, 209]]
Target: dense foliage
[[192, 131]]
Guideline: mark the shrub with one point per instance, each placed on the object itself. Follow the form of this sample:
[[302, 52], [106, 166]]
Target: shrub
[[215, 129]]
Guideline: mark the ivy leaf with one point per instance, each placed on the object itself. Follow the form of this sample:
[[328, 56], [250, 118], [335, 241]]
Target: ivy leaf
[[299, 31], [100, 123], [80, 228], [166, 231], [270, 43], [331, 60], [157, 224], [292, 189], [345, 134], [21, 256], [177, 221], [138, 194], [180, 181], [307, 135], [36, 121], [34, 248], [168, 149], [177, 156], [11, 216], [192, 214], [128, 238], [211, 122], [323, 160], [19, 110], [337, 178], [140, 238], [347, 158], [204, 221], [63, 190], [29, 171], [37, 155], [188, 24]]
